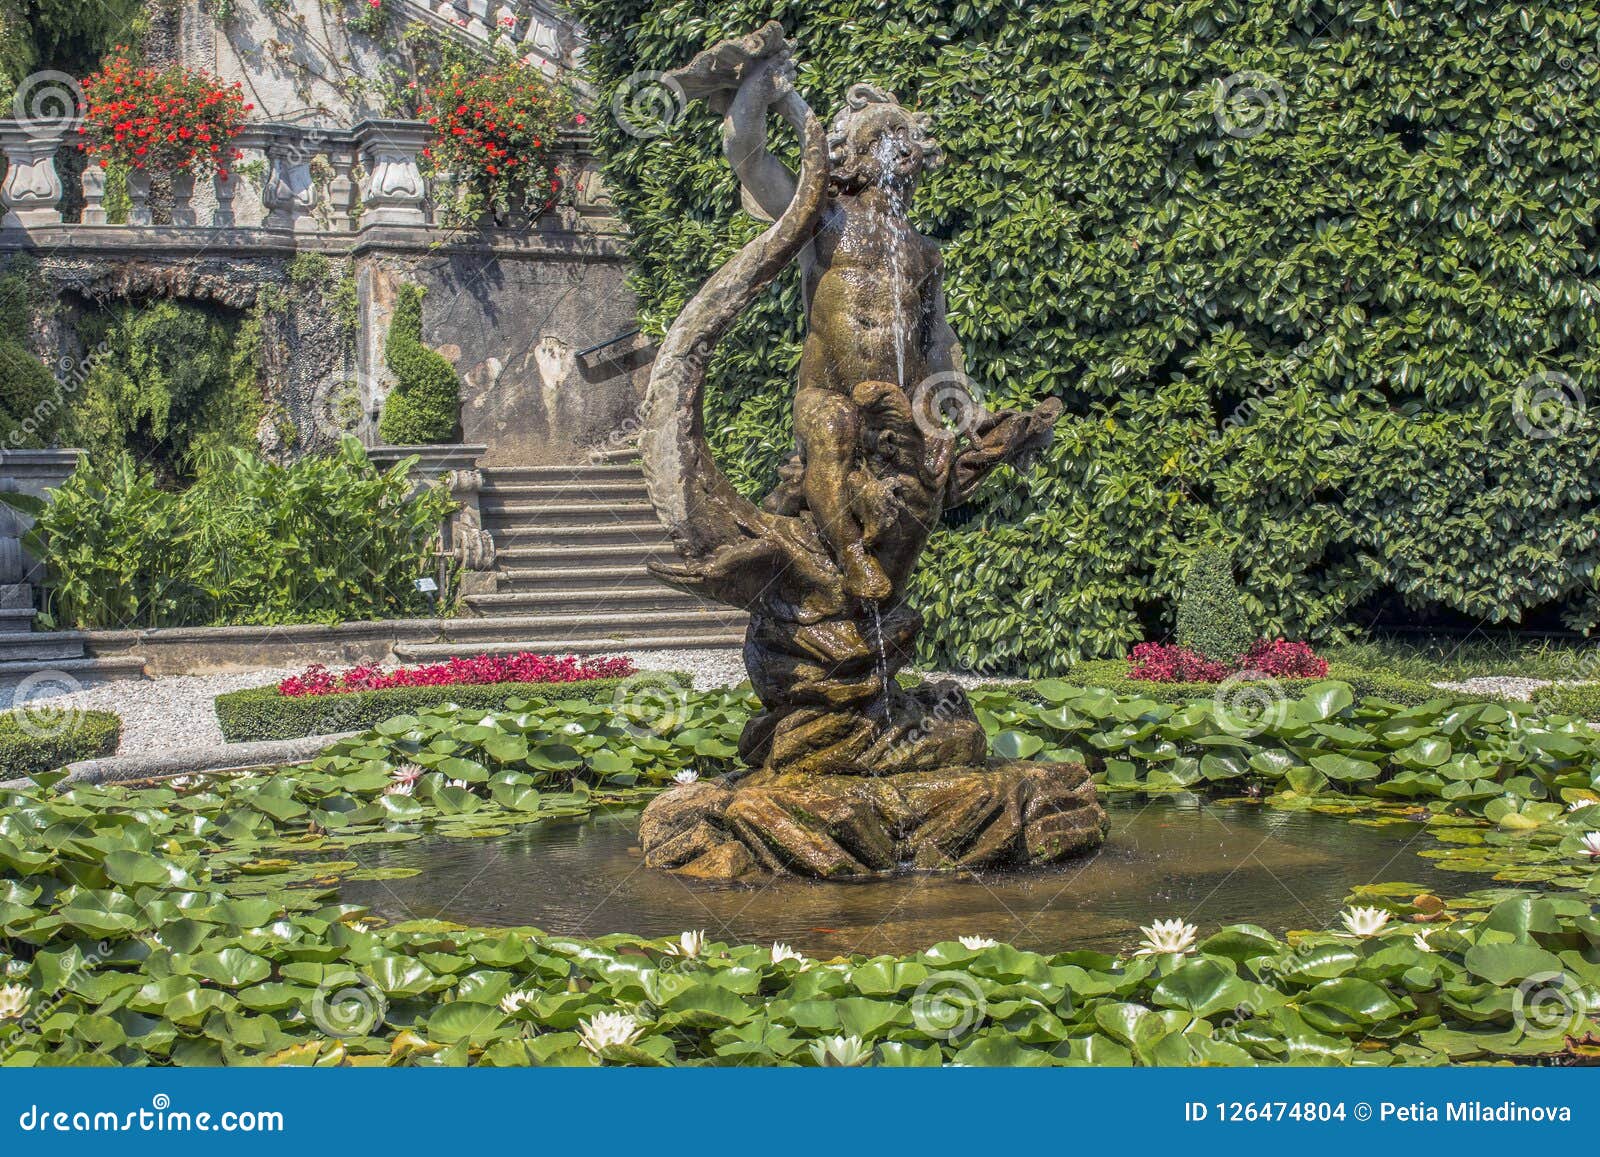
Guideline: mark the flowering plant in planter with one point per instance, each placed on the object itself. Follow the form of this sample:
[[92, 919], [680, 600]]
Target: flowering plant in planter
[[494, 139], [524, 667], [171, 119]]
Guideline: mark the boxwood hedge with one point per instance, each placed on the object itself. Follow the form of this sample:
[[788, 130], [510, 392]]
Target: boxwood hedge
[[262, 713], [1581, 699], [26, 750], [1315, 279]]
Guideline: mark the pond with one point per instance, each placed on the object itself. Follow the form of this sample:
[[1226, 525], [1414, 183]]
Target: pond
[[1210, 863]]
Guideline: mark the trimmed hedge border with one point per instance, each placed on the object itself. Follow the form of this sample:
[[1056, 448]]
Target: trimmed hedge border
[[94, 734], [1112, 675], [1581, 699], [261, 713]]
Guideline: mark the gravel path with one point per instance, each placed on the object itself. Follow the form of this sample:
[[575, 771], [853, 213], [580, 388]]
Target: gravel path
[[1503, 686]]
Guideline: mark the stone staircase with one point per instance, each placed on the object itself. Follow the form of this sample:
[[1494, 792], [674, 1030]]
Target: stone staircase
[[571, 544]]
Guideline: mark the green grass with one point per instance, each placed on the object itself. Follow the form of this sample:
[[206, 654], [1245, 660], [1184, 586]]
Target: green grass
[[1440, 658]]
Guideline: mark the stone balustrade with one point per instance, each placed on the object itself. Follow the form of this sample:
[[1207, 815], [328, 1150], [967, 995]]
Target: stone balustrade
[[294, 179]]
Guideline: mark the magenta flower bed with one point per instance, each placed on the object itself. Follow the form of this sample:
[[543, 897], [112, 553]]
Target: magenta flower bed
[[1271, 659], [525, 667]]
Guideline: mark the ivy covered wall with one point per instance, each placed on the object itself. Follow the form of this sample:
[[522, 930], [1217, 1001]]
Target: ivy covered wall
[[1316, 282]]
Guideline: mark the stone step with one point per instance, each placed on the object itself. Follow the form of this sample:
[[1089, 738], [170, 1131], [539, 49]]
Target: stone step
[[16, 620], [569, 555], [517, 475], [85, 671], [38, 647], [599, 578], [586, 599], [702, 640], [603, 493], [615, 455], [597, 627], [522, 513], [642, 535]]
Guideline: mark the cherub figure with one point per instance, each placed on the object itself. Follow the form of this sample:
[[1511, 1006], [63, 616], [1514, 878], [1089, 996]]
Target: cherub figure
[[873, 287]]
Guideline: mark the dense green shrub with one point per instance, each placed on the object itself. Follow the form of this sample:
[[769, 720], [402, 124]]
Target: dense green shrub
[[425, 402], [22, 752], [1211, 619], [262, 713], [1582, 699], [172, 383], [1307, 333], [32, 405], [321, 540]]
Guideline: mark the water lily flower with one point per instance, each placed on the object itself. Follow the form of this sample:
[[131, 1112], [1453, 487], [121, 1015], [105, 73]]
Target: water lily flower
[[1578, 805], [976, 942], [1591, 844], [406, 773], [1364, 921], [14, 1001], [840, 1052], [401, 787], [512, 1002], [685, 777], [1166, 936], [461, 783], [1420, 939], [689, 944], [359, 926], [606, 1029], [782, 952]]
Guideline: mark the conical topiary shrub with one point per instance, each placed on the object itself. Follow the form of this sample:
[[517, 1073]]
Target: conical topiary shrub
[[424, 405], [1211, 618]]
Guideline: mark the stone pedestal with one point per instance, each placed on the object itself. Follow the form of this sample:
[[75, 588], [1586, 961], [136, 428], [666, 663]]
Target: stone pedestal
[[1002, 815]]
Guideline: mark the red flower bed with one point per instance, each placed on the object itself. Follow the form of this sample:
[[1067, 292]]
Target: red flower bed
[[1274, 659], [161, 118], [495, 133], [522, 668]]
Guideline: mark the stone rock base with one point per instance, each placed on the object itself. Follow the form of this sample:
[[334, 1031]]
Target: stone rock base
[[836, 826]]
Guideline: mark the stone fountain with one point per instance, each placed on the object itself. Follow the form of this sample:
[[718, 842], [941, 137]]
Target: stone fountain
[[852, 774]]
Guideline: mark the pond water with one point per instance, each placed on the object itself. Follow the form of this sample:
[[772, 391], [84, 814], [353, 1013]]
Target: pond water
[[1209, 863]]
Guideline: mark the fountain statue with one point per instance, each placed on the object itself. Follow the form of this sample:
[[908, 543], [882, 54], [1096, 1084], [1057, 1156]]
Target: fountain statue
[[852, 775]]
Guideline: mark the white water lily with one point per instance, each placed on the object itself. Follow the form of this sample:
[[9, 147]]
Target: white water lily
[[1166, 936], [359, 926], [14, 1001], [512, 1002], [606, 1029], [689, 944], [977, 942], [1420, 939], [1578, 805], [685, 777], [1364, 921], [840, 1052], [406, 773], [1591, 844], [782, 952], [401, 787], [461, 783]]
